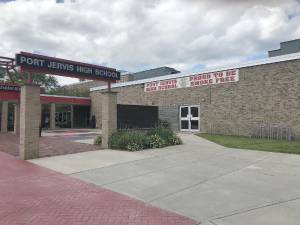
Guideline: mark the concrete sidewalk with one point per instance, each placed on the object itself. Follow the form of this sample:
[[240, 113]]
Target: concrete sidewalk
[[33, 195], [204, 181]]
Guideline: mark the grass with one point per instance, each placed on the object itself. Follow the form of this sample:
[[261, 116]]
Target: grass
[[254, 143]]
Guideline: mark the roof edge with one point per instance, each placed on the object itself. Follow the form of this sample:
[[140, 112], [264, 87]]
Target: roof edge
[[264, 61], [64, 96]]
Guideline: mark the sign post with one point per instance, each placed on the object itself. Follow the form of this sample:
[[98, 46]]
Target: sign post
[[109, 116], [30, 116], [4, 115]]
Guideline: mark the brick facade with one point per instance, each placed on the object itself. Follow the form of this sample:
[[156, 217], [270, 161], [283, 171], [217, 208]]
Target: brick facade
[[84, 86], [30, 111], [4, 115], [96, 108], [109, 116], [52, 116], [17, 119], [265, 94], [170, 114]]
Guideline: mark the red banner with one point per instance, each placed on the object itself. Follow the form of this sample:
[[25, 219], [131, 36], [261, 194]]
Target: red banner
[[196, 80]]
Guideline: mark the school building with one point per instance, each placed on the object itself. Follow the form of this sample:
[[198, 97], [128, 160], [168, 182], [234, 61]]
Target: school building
[[260, 98]]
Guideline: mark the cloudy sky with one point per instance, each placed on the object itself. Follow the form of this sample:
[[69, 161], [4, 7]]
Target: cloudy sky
[[134, 35]]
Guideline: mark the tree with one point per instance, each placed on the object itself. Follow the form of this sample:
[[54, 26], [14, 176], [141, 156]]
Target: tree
[[2, 74], [47, 81]]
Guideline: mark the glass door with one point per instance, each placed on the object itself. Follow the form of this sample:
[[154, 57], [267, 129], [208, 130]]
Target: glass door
[[194, 118], [184, 118], [190, 118]]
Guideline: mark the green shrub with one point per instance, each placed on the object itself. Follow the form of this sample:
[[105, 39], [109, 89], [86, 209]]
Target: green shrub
[[138, 140], [167, 135], [98, 140], [128, 140], [133, 147], [175, 141], [156, 141]]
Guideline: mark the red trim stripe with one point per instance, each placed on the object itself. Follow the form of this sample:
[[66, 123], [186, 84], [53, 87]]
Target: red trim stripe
[[11, 95], [56, 99]]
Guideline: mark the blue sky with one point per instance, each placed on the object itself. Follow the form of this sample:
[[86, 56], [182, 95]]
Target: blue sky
[[3, 1]]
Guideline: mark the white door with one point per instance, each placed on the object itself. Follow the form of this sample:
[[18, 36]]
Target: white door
[[189, 118]]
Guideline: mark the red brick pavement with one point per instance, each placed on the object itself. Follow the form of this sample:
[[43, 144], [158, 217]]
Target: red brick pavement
[[49, 146], [33, 195]]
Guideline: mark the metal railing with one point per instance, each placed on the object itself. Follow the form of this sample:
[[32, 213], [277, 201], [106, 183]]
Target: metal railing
[[267, 131], [272, 132]]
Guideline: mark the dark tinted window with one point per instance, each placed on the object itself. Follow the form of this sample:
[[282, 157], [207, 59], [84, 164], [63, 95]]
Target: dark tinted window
[[184, 124], [194, 124], [184, 111], [195, 111]]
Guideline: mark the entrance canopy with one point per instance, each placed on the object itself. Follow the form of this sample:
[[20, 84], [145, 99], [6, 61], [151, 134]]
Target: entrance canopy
[[30, 96], [34, 63], [62, 67]]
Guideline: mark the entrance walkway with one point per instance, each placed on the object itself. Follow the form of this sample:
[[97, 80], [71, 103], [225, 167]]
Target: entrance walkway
[[201, 180], [37, 196], [54, 143]]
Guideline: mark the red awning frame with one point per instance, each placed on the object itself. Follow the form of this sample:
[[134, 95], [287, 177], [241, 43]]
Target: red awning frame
[[8, 64]]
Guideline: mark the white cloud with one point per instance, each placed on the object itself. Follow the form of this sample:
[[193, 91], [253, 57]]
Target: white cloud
[[138, 34]]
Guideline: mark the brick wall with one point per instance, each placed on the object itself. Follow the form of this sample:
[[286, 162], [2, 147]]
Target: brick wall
[[265, 94], [170, 114], [30, 117], [87, 85], [84, 86], [96, 107]]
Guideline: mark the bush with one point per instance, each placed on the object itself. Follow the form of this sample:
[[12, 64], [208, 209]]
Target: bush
[[128, 140], [175, 141], [138, 140], [156, 141], [98, 140], [167, 135]]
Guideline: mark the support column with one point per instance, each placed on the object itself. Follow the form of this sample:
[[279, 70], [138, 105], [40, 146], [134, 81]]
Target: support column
[[72, 116], [17, 119], [52, 116], [109, 116], [30, 121], [4, 117]]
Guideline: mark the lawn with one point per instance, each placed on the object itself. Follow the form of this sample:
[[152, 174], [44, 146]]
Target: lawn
[[254, 143]]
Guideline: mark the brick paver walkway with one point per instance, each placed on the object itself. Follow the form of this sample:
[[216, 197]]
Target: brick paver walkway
[[33, 195], [49, 146]]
